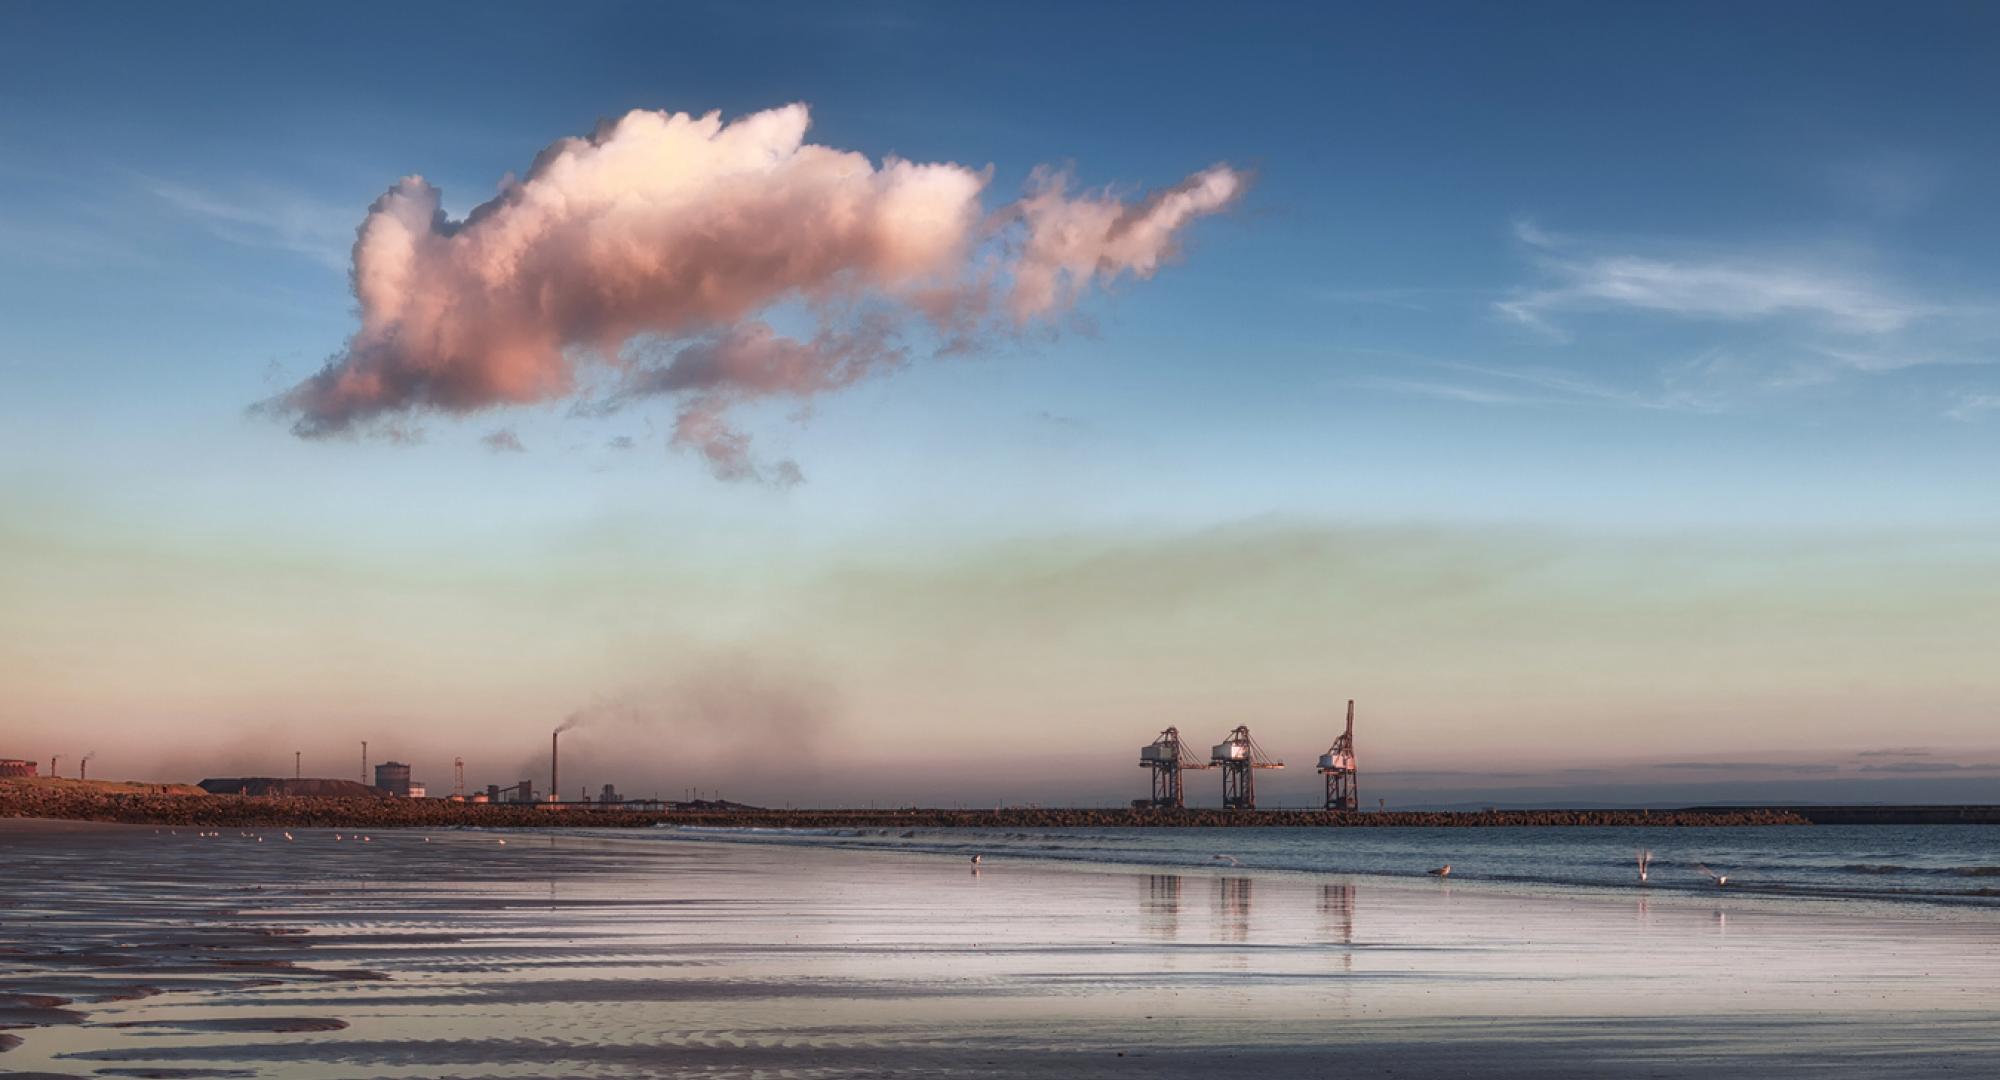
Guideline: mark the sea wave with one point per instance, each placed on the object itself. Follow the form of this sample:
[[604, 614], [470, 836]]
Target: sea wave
[[1813, 863], [1939, 871]]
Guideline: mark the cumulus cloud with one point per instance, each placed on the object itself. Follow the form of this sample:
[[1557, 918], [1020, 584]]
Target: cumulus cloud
[[666, 247]]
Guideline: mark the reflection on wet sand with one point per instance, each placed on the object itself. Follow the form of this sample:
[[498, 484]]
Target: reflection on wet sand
[[1336, 909], [125, 953], [1232, 909], [1160, 909]]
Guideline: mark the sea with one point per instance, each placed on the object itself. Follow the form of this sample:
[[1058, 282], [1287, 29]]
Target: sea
[[1926, 864]]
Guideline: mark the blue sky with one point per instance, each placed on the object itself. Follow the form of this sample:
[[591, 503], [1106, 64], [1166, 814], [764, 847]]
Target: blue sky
[[1708, 274]]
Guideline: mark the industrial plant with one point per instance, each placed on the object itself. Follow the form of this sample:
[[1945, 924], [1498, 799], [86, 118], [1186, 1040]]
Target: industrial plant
[[1168, 758]]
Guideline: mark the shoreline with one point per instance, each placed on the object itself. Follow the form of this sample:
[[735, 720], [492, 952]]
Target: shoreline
[[591, 954]]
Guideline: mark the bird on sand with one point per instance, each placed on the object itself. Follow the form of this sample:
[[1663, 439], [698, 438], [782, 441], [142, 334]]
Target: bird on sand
[[1442, 871], [1645, 860], [975, 860]]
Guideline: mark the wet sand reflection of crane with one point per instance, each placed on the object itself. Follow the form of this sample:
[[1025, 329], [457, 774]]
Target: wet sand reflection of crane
[[1232, 908], [1336, 909], [1160, 908]]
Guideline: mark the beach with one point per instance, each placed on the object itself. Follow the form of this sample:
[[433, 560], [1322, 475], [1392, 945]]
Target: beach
[[143, 951]]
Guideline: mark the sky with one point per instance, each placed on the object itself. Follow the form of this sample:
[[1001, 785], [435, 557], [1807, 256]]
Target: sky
[[832, 404]]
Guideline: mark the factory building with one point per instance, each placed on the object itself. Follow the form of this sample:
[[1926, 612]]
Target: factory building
[[16, 767]]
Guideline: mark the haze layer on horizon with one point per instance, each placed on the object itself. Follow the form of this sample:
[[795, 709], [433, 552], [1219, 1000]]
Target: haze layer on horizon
[[1602, 399]]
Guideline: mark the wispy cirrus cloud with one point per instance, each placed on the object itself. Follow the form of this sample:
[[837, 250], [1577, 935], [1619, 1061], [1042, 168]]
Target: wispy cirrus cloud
[[1782, 321], [1972, 406], [1920, 768], [1488, 384], [1444, 390], [266, 217], [1792, 768], [1725, 288]]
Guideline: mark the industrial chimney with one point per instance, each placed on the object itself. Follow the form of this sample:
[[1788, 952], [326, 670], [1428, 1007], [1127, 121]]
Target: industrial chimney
[[555, 761]]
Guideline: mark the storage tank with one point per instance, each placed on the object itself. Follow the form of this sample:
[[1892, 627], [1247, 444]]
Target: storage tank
[[394, 778]]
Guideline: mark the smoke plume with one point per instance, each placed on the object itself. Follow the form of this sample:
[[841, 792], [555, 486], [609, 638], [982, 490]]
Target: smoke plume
[[747, 724], [665, 245]]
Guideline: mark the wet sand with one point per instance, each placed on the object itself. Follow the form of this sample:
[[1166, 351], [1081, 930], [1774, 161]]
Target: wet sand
[[130, 952]]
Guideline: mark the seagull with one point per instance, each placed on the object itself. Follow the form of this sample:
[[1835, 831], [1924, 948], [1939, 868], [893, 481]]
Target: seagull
[[1645, 860], [1442, 871], [1720, 879], [503, 843], [975, 860], [1230, 859], [288, 836]]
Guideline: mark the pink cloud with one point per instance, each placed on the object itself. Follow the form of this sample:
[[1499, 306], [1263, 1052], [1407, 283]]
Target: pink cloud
[[685, 233]]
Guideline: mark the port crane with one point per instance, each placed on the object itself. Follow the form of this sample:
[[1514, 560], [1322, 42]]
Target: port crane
[[1240, 757], [1343, 779], [1168, 757]]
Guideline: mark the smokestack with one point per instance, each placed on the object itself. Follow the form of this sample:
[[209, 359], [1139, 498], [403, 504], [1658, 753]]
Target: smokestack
[[555, 761]]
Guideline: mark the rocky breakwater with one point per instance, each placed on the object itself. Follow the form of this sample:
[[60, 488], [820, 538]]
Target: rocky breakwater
[[1031, 818], [179, 805]]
